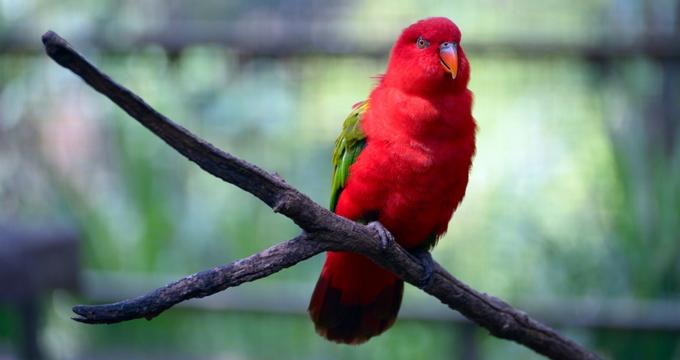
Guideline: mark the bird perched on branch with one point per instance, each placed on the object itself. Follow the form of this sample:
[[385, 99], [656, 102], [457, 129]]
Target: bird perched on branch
[[401, 164]]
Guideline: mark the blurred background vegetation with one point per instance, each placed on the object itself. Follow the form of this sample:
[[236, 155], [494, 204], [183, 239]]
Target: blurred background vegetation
[[572, 213]]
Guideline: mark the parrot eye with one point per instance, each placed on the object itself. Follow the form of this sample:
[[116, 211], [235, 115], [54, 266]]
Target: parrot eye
[[422, 43]]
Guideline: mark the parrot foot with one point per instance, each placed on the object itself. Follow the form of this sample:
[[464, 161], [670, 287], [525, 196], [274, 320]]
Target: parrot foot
[[425, 259], [386, 238]]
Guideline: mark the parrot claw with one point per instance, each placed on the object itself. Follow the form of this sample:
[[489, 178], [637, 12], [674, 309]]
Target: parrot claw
[[425, 259], [386, 238]]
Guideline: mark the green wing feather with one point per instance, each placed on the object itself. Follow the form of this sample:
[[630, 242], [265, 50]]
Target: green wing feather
[[348, 146]]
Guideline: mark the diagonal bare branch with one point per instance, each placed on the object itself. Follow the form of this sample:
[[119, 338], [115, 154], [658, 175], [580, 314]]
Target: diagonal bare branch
[[204, 283], [322, 231]]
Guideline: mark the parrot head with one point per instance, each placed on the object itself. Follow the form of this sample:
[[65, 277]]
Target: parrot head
[[428, 56]]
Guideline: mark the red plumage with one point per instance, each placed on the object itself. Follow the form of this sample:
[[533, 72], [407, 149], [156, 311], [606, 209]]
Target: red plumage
[[411, 176]]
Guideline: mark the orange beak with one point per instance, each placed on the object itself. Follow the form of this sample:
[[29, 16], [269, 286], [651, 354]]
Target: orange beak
[[448, 57]]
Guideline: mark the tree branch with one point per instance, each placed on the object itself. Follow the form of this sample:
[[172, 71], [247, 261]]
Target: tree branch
[[322, 231]]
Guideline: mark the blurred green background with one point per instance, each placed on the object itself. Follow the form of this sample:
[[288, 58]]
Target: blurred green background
[[572, 213]]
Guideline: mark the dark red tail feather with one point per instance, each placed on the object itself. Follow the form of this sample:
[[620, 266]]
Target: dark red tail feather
[[354, 299]]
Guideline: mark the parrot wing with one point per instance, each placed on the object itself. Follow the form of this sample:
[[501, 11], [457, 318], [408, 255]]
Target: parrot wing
[[348, 146], [344, 308]]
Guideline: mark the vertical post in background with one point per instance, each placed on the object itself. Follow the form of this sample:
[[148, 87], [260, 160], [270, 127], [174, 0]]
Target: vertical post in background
[[30, 318], [468, 345]]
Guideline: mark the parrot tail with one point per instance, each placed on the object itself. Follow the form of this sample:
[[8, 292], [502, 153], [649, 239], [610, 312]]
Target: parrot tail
[[354, 299]]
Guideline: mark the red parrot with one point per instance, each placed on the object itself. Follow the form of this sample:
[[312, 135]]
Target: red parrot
[[401, 162]]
